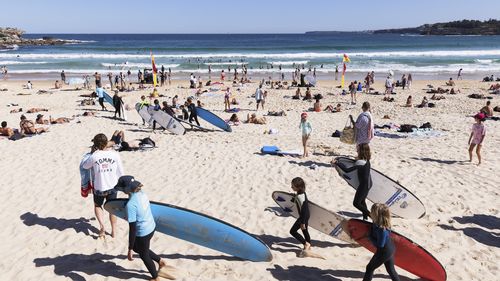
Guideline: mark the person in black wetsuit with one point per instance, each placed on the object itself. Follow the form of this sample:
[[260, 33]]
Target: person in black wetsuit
[[362, 165], [193, 115], [381, 239], [117, 103], [300, 199]]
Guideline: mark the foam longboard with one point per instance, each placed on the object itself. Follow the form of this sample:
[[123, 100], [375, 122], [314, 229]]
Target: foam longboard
[[144, 113], [400, 200], [109, 99], [274, 150], [168, 122], [213, 119], [408, 256], [321, 219], [200, 229]]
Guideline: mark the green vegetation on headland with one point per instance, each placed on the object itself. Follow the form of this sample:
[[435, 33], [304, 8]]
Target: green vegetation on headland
[[463, 27], [11, 37]]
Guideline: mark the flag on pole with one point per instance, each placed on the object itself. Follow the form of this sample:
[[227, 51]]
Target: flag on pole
[[345, 60], [155, 71]]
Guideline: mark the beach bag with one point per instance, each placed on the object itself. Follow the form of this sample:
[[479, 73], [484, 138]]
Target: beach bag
[[147, 142], [348, 134]]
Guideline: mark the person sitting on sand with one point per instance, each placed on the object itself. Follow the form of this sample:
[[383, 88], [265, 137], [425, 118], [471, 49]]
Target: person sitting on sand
[[155, 93], [57, 85], [450, 82], [28, 127], [297, 95], [60, 120], [487, 109], [317, 106], [35, 110], [332, 109], [199, 103], [6, 131], [253, 119], [308, 95], [234, 101], [409, 101], [424, 103], [28, 86]]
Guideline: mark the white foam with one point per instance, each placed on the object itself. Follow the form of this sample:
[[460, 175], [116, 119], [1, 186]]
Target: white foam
[[138, 65], [288, 62], [10, 62]]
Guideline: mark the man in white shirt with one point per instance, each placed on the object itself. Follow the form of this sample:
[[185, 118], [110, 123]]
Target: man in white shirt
[[388, 86], [106, 167], [259, 96]]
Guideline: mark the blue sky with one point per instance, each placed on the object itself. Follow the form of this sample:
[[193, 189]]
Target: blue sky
[[224, 16]]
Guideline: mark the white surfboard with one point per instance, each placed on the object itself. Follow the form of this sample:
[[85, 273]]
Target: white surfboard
[[168, 122], [321, 219], [401, 201], [144, 113]]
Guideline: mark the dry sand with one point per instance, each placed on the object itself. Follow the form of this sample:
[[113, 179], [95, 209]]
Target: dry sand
[[49, 232]]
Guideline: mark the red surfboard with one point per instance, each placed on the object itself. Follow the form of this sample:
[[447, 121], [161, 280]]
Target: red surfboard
[[409, 255]]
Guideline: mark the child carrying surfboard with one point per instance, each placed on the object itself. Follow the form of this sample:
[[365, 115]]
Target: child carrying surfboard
[[380, 238], [299, 186]]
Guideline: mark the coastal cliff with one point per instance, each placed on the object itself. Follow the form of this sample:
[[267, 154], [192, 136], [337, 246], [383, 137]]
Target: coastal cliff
[[10, 38], [463, 27]]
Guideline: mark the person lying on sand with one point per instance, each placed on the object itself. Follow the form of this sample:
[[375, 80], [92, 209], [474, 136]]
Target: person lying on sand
[[28, 127], [434, 97], [454, 92], [17, 110], [253, 119], [233, 120], [332, 109], [494, 87], [6, 131], [409, 101], [35, 110], [60, 120], [88, 114]]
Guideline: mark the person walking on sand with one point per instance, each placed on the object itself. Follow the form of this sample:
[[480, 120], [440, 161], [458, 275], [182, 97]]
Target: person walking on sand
[[476, 137], [459, 75], [227, 102], [259, 96], [363, 167], [306, 129], [117, 103], [100, 95], [364, 130], [141, 226], [300, 200], [106, 167], [380, 236], [63, 77]]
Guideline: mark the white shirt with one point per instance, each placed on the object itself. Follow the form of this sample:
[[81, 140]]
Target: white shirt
[[107, 167], [258, 94]]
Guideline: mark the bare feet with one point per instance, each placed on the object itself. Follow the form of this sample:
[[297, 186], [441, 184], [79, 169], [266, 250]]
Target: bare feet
[[307, 246], [102, 233]]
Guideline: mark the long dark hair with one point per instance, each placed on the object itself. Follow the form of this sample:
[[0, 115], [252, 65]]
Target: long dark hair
[[299, 183]]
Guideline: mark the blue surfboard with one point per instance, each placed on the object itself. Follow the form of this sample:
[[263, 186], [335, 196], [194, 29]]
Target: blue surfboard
[[108, 98], [200, 229], [213, 119]]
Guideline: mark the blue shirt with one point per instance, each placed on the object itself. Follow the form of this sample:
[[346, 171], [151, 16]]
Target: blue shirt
[[139, 211], [100, 92], [379, 236]]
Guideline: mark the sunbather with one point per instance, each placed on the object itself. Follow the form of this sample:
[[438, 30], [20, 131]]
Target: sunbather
[[253, 119], [28, 127], [6, 131]]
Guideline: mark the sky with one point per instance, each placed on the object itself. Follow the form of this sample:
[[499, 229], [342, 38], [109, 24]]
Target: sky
[[225, 16]]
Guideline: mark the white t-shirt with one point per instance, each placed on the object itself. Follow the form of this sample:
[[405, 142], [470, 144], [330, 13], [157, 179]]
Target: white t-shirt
[[107, 167]]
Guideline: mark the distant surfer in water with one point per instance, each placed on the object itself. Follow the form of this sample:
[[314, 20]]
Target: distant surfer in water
[[141, 226], [362, 165], [300, 199], [380, 238]]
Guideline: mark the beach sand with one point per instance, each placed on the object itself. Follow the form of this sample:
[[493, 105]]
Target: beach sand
[[49, 231]]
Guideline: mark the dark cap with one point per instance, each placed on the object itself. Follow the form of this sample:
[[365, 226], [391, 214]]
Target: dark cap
[[39, 116], [127, 184]]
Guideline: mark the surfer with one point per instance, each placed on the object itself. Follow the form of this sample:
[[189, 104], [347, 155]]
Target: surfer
[[100, 94], [300, 199], [193, 115], [141, 225], [117, 103], [380, 238], [107, 167], [477, 136], [306, 129], [362, 165]]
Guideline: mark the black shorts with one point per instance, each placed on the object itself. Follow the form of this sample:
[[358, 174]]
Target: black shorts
[[116, 139], [259, 101], [100, 196]]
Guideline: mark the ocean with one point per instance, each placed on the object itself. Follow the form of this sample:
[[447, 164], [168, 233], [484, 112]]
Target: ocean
[[426, 57]]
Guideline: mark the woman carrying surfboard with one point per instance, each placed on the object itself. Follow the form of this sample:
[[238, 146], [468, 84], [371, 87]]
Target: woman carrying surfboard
[[362, 165], [380, 238], [142, 225]]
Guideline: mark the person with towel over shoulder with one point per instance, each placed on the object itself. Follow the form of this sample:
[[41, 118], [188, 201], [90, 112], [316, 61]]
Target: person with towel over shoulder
[[364, 126], [141, 226]]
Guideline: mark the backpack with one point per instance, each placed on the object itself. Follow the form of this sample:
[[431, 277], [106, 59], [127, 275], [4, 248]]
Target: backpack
[[147, 142]]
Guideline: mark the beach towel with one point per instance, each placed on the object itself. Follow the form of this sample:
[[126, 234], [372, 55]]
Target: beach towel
[[86, 178]]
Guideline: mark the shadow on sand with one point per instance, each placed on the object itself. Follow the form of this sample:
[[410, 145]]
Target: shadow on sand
[[80, 225], [70, 265], [489, 238]]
